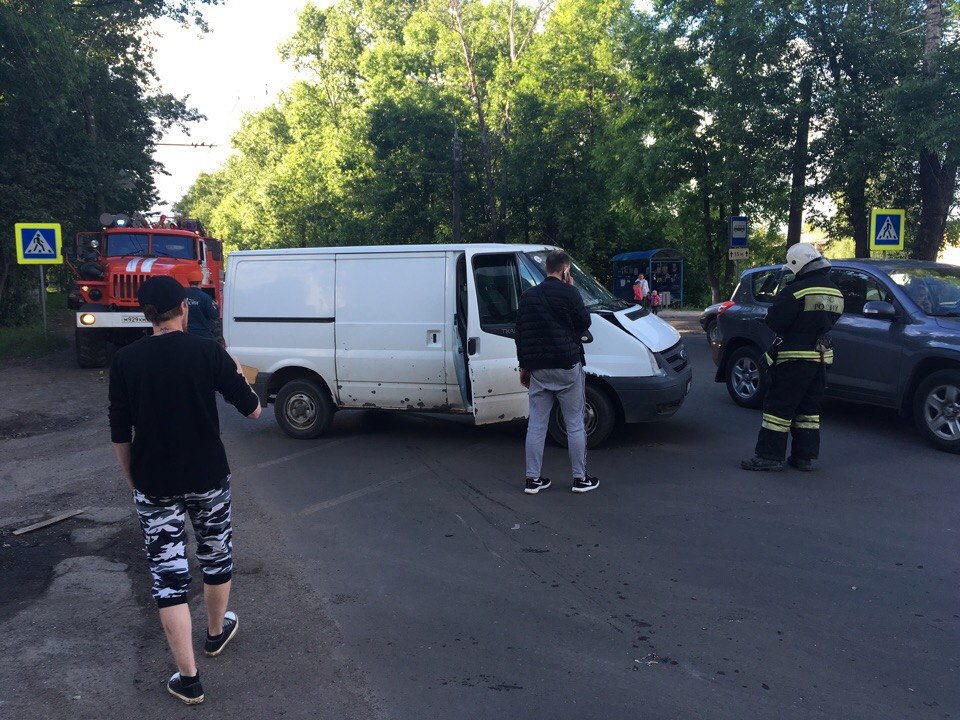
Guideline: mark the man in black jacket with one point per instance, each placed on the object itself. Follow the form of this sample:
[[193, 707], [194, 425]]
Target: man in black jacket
[[550, 322], [166, 433], [801, 315]]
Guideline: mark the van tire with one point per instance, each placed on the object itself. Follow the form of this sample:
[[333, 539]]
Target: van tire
[[304, 409], [600, 422], [744, 371], [935, 389], [92, 347]]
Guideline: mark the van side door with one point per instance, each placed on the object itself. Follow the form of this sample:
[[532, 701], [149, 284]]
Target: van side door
[[493, 298], [390, 330]]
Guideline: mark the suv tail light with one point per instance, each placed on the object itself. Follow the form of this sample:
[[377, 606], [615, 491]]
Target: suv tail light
[[724, 306]]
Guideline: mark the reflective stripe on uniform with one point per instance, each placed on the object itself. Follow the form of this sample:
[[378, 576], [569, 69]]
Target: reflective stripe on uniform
[[821, 299], [803, 292], [777, 424], [806, 422], [813, 355]]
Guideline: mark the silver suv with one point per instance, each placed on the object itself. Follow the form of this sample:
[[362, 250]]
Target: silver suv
[[897, 344]]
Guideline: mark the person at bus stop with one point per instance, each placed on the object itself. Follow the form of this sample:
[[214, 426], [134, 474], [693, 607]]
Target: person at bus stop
[[641, 289], [550, 322], [801, 316], [165, 432], [204, 318]]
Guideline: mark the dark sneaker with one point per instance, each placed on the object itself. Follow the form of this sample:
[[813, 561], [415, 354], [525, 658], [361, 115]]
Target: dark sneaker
[[801, 465], [535, 486], [585, 484], [189, 691], [759, 463], [215, 645]]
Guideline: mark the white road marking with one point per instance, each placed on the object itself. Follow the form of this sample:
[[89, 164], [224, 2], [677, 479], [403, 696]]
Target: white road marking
[[311, 509], [293, 456]]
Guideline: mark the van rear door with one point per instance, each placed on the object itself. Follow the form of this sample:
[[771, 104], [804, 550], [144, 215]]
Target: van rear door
[[492, 298]]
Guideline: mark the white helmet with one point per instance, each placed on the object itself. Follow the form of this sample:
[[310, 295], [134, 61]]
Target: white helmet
[[802, 254]]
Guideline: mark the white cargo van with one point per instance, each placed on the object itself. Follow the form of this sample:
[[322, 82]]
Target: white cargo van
[[430, 328]]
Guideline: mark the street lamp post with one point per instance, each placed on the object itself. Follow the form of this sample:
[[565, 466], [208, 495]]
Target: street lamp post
[[455, 171]]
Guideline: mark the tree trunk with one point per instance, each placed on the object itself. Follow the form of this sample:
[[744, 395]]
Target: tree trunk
[[709, 246], [938, 181], [485, 150], [798, 189], [90, 119], [857, 214], [937, 187]]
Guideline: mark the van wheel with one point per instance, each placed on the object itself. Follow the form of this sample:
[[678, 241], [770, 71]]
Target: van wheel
[[303, 409], [747, 380], [936, 409], [599, 419]]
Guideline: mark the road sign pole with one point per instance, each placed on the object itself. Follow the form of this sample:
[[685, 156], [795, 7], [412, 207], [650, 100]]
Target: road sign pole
[[43, 299]]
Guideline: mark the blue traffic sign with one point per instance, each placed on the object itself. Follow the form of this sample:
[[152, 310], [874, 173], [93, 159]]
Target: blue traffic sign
[[887, 229], [738, 231], [39, 244]]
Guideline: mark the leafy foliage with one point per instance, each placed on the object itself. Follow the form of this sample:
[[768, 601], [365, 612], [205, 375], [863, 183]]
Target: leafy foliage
[[79, 116]]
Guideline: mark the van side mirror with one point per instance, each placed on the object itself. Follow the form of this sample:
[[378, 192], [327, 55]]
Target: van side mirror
[[880, 309]]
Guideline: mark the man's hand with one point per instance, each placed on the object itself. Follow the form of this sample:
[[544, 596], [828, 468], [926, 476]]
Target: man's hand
[[567, 277], [525, 378], [123, 457]]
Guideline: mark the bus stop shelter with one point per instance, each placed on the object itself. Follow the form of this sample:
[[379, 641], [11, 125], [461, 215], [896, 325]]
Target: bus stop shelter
[[662, 267]]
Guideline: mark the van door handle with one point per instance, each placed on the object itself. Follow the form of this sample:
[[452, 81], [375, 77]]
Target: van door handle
[[472, 344]]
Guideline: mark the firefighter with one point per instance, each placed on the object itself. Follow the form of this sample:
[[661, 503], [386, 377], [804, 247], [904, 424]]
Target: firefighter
[[801, 316], [203, 316]]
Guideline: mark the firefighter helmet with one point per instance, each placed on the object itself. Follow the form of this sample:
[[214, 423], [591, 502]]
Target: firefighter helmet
[[801, 255]]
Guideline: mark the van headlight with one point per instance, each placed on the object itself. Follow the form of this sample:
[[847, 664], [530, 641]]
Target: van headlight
[[88, 319]]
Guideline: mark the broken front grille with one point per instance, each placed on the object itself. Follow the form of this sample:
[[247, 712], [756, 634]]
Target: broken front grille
[[675, 357]]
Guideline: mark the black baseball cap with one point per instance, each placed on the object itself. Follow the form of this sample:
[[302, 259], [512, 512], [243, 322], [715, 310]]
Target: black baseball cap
[[163, 292]]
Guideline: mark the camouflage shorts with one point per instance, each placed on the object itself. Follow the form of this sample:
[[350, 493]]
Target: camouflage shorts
[[163, 520]]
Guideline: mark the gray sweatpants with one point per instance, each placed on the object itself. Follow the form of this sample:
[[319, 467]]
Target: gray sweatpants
[[566, 386]]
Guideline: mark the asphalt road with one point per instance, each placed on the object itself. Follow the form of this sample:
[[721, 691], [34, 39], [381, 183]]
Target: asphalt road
[[682, 588]]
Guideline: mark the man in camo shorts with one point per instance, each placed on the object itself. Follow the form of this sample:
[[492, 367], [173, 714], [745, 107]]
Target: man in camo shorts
[[166, 433]]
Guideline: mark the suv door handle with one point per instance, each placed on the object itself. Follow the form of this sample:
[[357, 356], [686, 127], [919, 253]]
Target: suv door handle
[[472, 345]]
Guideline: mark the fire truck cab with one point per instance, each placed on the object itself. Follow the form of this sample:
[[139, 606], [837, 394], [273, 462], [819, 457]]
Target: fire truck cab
[[113, 263]]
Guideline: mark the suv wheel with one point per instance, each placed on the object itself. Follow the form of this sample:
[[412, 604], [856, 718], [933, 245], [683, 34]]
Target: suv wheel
[[746, 378], [936, 409], [713, 333], [303, 409]]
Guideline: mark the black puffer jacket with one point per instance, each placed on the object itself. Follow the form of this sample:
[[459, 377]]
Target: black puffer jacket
[[550, 321]]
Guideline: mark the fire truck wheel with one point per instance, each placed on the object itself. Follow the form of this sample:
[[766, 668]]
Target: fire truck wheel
[[93, 350], [303, 409]]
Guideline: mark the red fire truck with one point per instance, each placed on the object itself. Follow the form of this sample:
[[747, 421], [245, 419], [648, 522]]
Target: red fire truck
[[112, 264]]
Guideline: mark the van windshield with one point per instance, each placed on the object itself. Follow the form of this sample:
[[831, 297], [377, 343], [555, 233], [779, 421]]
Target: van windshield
[[595, 296]]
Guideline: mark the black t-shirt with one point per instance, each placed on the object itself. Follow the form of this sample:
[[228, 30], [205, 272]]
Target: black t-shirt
[[163, 397]]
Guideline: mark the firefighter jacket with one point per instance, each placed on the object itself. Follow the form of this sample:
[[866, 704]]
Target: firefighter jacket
[[801, 315]]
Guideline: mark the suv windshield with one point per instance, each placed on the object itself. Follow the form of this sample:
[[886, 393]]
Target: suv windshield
[[935, 290], [595, 296]]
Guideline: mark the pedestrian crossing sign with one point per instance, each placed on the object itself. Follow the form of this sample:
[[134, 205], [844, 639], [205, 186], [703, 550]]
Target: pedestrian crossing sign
[[39, 244], [887, 229]]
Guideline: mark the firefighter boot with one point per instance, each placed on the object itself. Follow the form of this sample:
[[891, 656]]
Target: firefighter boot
[[798, 464], [762, 464]]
